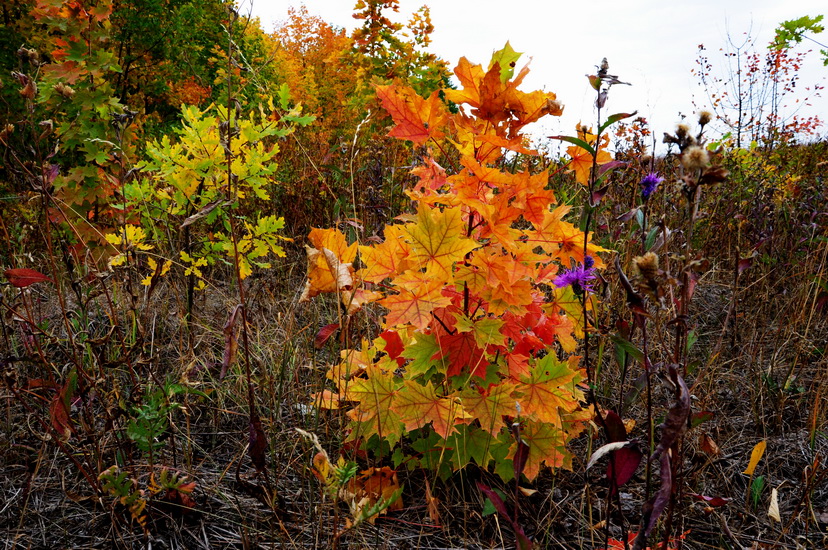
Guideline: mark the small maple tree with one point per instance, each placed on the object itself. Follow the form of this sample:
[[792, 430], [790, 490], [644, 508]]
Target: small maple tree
[[469, 352]]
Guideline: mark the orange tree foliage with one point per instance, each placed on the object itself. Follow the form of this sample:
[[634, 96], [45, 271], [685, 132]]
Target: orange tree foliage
[[343, 157], [466, 367]]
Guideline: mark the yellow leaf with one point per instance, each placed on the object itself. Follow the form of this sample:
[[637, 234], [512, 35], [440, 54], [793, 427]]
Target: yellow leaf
[[756, 456], [115, 261]]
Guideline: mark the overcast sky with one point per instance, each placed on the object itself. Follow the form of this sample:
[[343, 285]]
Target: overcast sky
[[651, 44]]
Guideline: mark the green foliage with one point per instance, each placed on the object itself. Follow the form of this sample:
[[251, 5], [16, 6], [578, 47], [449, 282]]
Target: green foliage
[[793, 31], [190, 184], [126, 492]]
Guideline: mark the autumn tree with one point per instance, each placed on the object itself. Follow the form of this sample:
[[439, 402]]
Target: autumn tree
[[750, 93]]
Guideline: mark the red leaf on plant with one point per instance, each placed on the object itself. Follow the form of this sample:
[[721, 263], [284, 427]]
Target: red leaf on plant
[[653, 508], [599, 194], [614, 427], [23, 277], [523, 542], [393, 345], [623, 464], [60, 406], [324, 335], [521, 453], [258, 443]]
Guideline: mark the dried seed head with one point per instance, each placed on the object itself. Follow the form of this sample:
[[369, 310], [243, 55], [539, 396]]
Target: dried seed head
[[705, 117], [682, 130], [647, 266], [65, 91], [695, 158]]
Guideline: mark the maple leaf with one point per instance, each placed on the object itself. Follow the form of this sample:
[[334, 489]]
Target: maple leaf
[[375, 414], [582, 160], [418, 405], [326, 273], [355, 299], [564, 299], [563, 240], [470, 443], [418, 295], [431, 176], [416, 119], [437, 240], [461, 350], [470, 77], [549, 390], [387, 259], [422, 353], [491, 405], [335, 241], [546, 446], [486, 331]]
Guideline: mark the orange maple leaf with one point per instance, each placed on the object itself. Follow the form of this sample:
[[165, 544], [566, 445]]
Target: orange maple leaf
[[418, 295], [418, 405], [491, 405], [581, 162], [387, 259], [549, 390], [416, 119]]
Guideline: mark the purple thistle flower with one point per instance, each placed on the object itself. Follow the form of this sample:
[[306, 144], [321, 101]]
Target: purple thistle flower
[[649, 184], [579, 277]]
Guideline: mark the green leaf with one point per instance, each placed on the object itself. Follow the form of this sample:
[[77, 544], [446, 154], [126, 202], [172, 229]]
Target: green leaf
[[623, 348], [756, 489], [284, 96], [615, 118], [506, 59], [421, 352], [576, 141]]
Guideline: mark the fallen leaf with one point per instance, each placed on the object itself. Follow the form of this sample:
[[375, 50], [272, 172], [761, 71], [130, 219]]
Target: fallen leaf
[[755, 457], [773, 509], [708, 445]]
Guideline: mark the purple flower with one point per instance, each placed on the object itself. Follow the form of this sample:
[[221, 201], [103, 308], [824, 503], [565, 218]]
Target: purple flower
[[649, 184], [579, 277]]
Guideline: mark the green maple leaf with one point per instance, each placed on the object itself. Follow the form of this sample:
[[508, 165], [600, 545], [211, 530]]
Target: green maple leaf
[[506, 58], [374, 414], [470, 443], [422, 353]]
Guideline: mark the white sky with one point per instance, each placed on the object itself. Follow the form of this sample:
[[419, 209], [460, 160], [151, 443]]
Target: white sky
[[649, 43]]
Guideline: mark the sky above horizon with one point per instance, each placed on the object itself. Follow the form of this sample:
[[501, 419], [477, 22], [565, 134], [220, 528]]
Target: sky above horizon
[[651, 44]]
